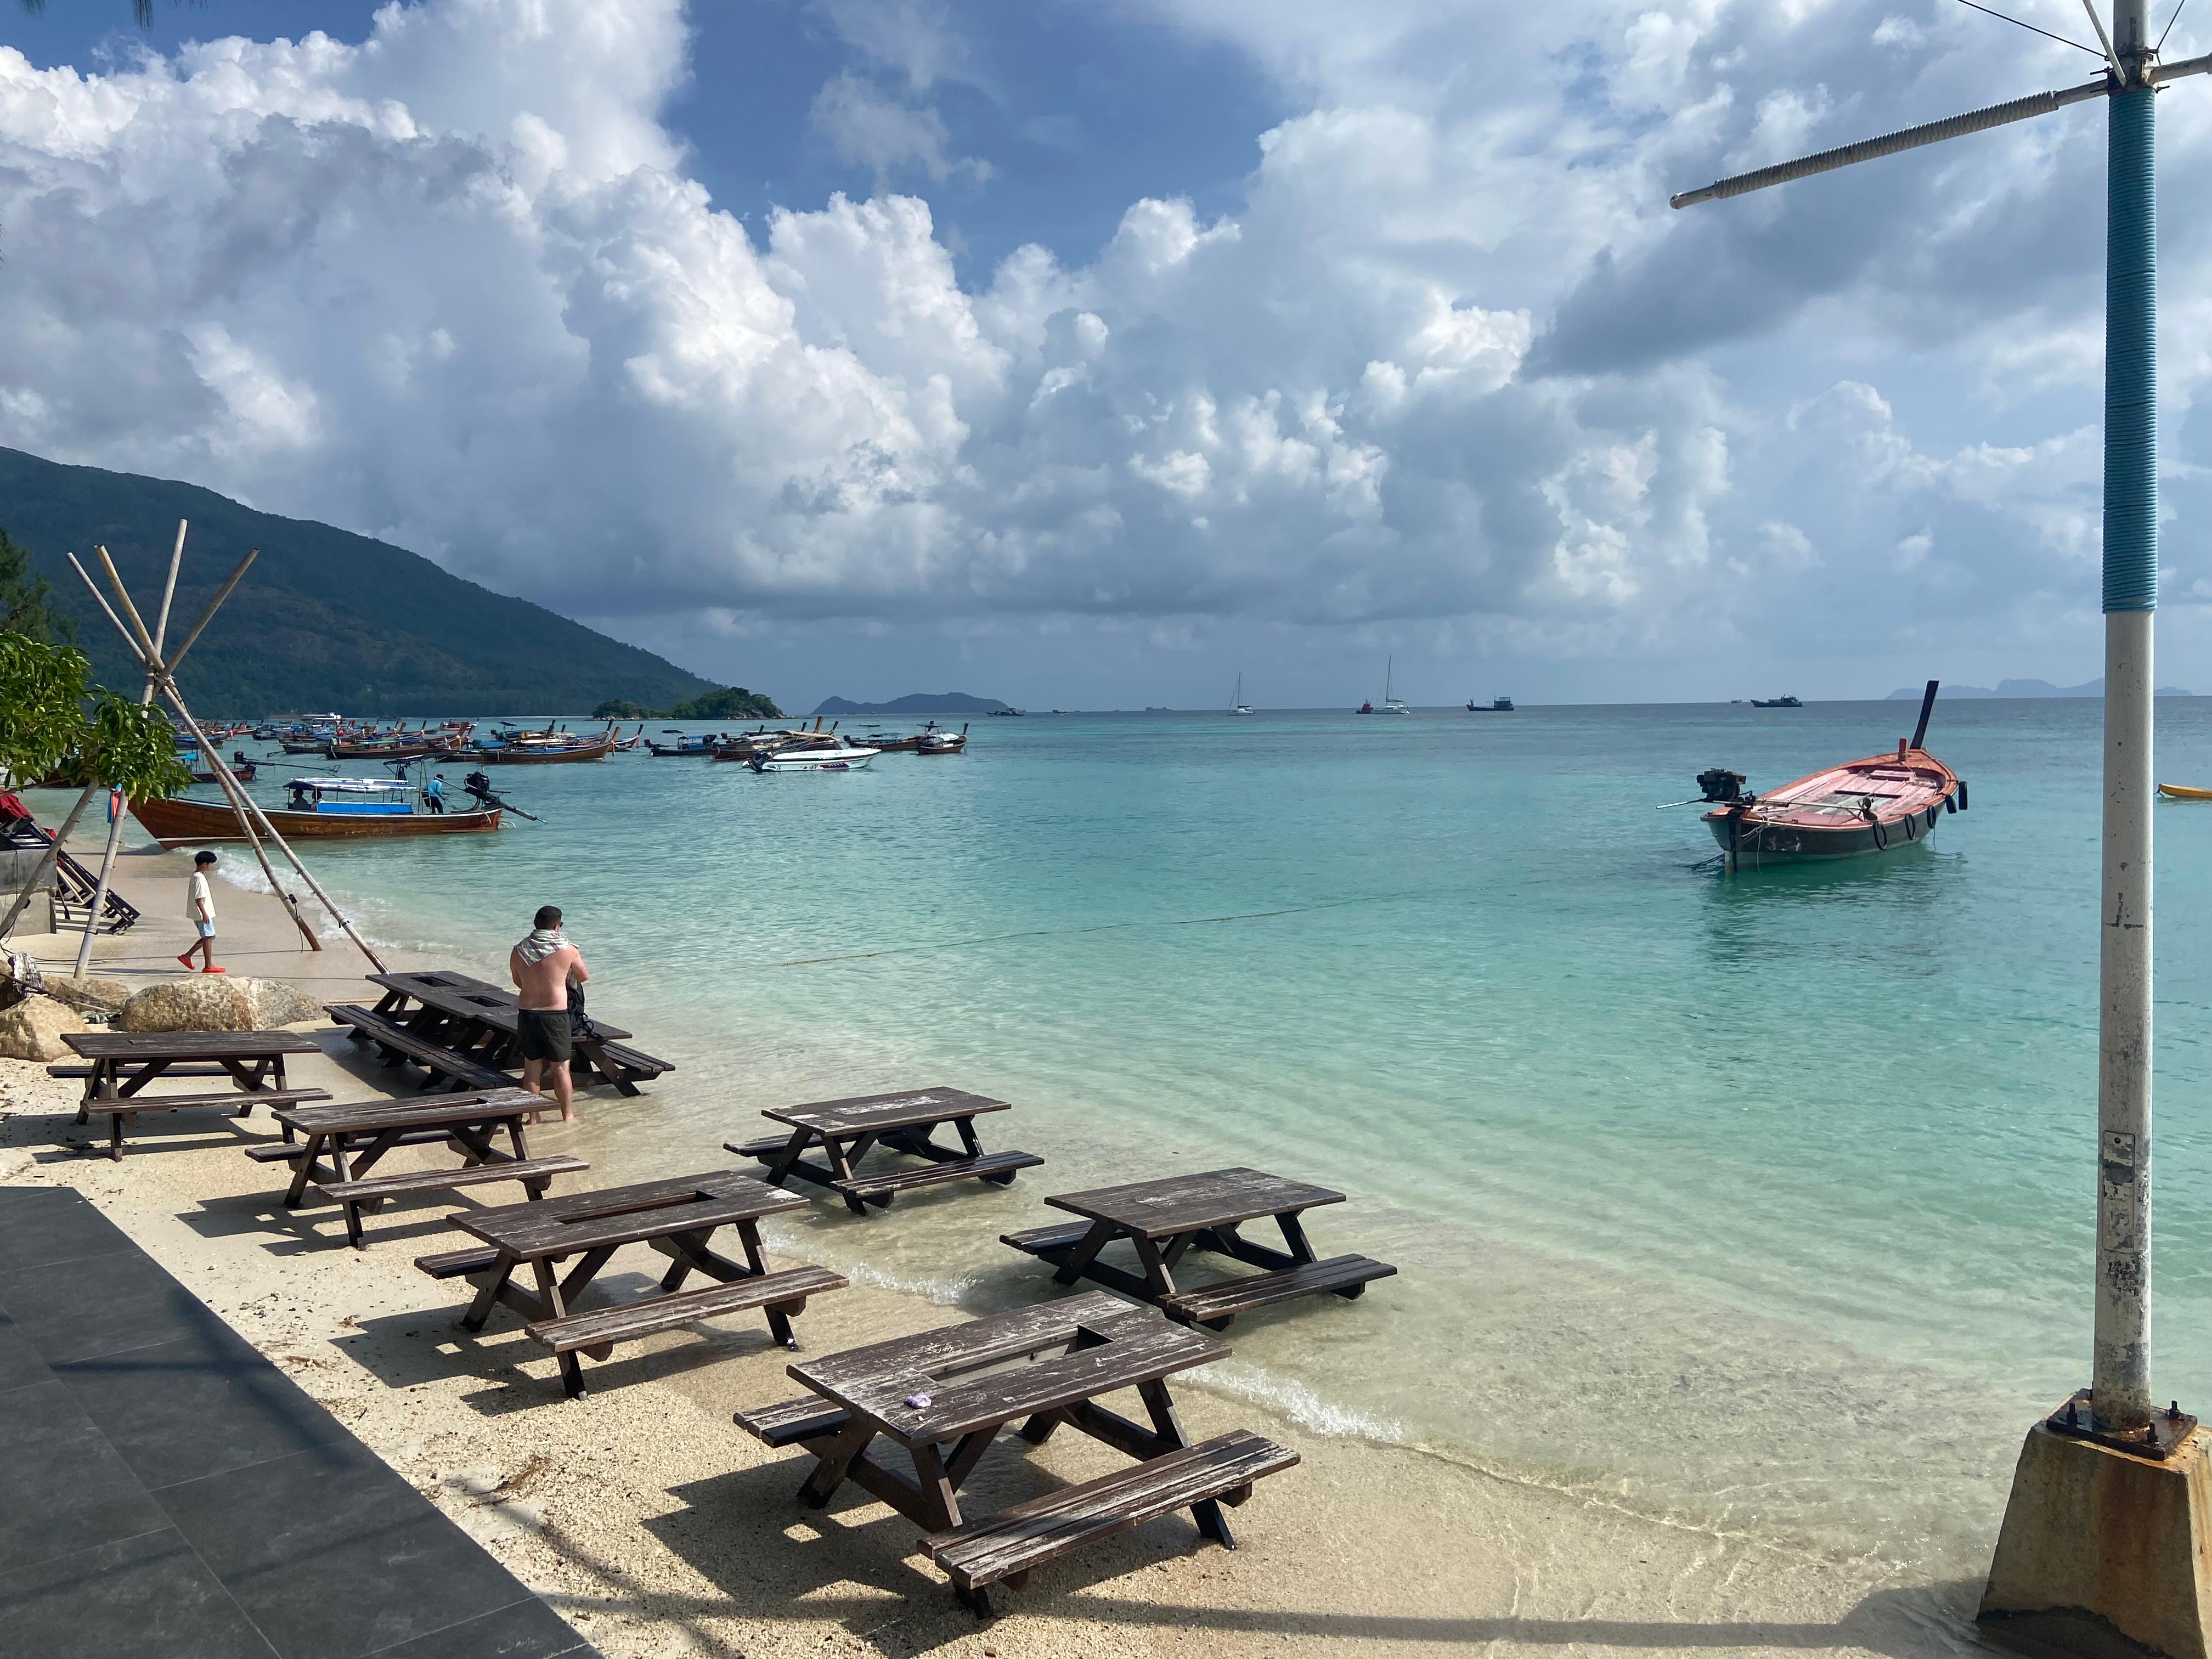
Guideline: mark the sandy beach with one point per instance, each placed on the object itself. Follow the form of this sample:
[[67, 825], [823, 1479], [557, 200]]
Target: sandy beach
[[644, 1516]]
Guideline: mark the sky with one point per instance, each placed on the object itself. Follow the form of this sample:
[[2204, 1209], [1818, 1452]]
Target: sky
[[1090, 355]]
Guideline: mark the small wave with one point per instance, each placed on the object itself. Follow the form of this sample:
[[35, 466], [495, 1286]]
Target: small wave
[[1294, 1401]]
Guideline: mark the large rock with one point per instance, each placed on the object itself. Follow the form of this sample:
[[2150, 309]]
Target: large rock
[[278, 1002], [33, 1029], [92, 994], [206, 1003]]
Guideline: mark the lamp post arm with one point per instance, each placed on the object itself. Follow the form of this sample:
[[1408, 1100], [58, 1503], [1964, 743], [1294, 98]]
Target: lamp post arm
[[1868, 150]]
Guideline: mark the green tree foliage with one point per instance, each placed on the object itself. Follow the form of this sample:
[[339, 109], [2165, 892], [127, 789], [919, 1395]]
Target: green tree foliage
[[23, 607], [732, 703], [43, 688], [53, 719]]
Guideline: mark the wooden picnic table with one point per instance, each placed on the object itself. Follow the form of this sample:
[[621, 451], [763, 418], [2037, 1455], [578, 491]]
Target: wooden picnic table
[[675, 1218], [1166, 1219], [122, 1063], [942, 1396], [476, 1023], [906, 1121], [351, 1137]]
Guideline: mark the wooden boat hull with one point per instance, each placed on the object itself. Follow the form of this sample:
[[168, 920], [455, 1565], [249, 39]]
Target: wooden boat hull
[[1864, 806], [2182, 792], [1757, 843], [193, 823], [527, 756]]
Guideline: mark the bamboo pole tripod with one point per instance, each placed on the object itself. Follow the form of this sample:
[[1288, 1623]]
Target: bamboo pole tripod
[[160, 679]]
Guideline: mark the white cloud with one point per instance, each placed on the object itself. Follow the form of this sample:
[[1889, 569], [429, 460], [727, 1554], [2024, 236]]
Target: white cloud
[[1449, 358], [868, 128]]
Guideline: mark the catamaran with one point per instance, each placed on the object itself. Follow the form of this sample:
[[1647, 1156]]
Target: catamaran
[[1237, 704]]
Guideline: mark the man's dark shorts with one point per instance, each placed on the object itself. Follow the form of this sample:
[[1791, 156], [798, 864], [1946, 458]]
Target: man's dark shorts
[[545, 1033]]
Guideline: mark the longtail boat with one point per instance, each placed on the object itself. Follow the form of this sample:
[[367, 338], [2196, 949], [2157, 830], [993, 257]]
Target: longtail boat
[[2183, 791], [363, 810], [1871, 805], [539, 749]]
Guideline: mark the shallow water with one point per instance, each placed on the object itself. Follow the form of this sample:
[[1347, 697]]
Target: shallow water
[[1760, 1200]]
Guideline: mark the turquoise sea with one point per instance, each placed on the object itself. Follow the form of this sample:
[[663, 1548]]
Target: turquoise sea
[[1762, 1201]]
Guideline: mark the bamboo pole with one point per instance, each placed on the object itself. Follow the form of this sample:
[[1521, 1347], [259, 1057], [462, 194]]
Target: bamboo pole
[[214, 604], [158, 674], [244, 804], [115, 823]]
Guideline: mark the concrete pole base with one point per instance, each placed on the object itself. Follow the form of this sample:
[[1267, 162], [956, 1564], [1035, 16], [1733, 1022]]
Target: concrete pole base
[[2104, 1553]]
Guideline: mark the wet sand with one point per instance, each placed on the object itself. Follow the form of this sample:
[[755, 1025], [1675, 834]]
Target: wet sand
[[659, 1528]]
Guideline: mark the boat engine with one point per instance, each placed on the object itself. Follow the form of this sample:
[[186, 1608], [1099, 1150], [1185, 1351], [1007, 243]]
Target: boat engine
[[477, 787], [1722, 787]]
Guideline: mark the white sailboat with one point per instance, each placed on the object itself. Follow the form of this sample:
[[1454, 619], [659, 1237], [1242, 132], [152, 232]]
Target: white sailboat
[[1238, 706], [1392, 705]]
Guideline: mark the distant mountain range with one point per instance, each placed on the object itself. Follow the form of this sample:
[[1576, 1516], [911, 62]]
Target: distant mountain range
[[922, 702], [325, 619], [2026, 688]]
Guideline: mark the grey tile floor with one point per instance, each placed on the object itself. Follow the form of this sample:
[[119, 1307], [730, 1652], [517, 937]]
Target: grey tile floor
[[165, 1490]]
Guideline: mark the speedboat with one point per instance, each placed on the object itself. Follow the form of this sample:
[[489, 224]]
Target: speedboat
[[830, 757]]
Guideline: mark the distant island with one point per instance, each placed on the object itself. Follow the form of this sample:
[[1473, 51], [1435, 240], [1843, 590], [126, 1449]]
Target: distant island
[[732, 703], [2026, 688], [920, 702], [325, 619]]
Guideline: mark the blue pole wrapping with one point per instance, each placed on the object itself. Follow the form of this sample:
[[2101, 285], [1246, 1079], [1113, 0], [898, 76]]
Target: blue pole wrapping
[[2131, 354]]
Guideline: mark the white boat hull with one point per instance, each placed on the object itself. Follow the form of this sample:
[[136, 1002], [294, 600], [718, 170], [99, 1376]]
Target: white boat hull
[[827, 760]]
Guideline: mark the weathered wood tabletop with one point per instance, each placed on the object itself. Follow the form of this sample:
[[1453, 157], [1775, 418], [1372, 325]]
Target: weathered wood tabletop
[[905, 1120], [479, 1021], [675, 1218], [1164, 1220], [955, 1388], [352, 1136], [125, 1062]]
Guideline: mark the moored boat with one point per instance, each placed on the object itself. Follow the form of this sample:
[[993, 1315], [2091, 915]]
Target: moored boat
[[539, 749], [696, 746], [830, 757], [182, 822], [934, 741], [2183, 791], [1870, 805]]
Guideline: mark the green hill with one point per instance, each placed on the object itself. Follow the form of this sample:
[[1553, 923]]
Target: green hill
[[325, 619]]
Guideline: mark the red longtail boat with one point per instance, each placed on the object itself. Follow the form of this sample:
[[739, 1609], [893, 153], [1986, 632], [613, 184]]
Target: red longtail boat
[[1871, 805]]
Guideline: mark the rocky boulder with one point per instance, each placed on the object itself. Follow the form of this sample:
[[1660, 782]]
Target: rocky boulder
[[33, 1029], [207, 1003], [92, 994], [275, 1002], [216, 1002]]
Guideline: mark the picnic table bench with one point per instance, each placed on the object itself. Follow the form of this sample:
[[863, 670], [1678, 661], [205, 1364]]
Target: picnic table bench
[[944, 1395], [1166, 1219], [119, 1065], [350, 1138], [675, 1218], [463, 1031], [903, 1121]]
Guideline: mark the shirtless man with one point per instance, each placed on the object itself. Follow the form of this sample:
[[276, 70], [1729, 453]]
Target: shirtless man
[[543, 967]]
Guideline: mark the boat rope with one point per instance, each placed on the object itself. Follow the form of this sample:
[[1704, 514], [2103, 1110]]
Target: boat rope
[[1101, 927]]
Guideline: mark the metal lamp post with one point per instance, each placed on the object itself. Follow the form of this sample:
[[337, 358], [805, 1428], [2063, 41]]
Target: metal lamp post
[[2112, 1500]]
